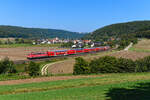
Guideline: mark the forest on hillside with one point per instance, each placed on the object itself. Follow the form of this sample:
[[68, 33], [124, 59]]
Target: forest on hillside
[[136, 29], [21, 32]]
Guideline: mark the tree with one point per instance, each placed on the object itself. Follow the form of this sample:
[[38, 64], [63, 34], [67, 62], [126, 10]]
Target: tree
[[16, 40], [125, 65], [81, 66], [9, 42], [33, 69], [106, 64], [7, 66], [2, 68], [143, 65]]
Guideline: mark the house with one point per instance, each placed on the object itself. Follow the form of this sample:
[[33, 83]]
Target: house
[[86, 41]]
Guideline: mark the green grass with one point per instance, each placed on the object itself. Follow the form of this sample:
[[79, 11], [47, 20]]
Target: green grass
[[28, 45], [138, 50], [82, 93], [114, 86], [4, 77]]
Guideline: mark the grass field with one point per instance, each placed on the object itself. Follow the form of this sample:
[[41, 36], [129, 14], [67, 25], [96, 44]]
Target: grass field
[[134, 86]]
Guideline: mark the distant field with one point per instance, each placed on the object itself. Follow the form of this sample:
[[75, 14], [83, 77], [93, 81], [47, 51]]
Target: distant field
[[140, 50], [5, 39], [28, 45], [142, 46], [20, 51], [134, 55], [135, 86]]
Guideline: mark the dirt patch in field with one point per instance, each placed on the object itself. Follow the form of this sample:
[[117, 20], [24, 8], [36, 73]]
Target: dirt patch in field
[[44, 79], [130, 54], [20, 53], [143, 44], [62, 67]]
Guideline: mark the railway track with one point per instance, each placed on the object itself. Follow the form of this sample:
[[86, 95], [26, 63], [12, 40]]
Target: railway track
[[56, 57]]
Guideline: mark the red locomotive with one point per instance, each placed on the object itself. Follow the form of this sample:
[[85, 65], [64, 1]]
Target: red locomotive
[[66, 52]]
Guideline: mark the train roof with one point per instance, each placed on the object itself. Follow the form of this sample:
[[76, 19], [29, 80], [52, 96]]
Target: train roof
[[59, 50], [35, 53], [78, 49]]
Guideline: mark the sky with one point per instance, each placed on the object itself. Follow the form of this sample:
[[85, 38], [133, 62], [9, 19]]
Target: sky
[[72, 15]]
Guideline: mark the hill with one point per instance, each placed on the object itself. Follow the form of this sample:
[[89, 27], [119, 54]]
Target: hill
[[21, 32], [116, 30]]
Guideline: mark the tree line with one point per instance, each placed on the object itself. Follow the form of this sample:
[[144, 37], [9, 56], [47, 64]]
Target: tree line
[[109, 64]]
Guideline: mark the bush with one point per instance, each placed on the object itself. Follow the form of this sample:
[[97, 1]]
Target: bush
[[33, 69], [81, 66]]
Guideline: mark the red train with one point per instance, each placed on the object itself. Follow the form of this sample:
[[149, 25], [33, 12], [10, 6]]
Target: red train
[[66, 52]]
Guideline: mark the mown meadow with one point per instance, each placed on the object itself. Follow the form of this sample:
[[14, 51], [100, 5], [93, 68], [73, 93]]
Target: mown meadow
[[134, 86]]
